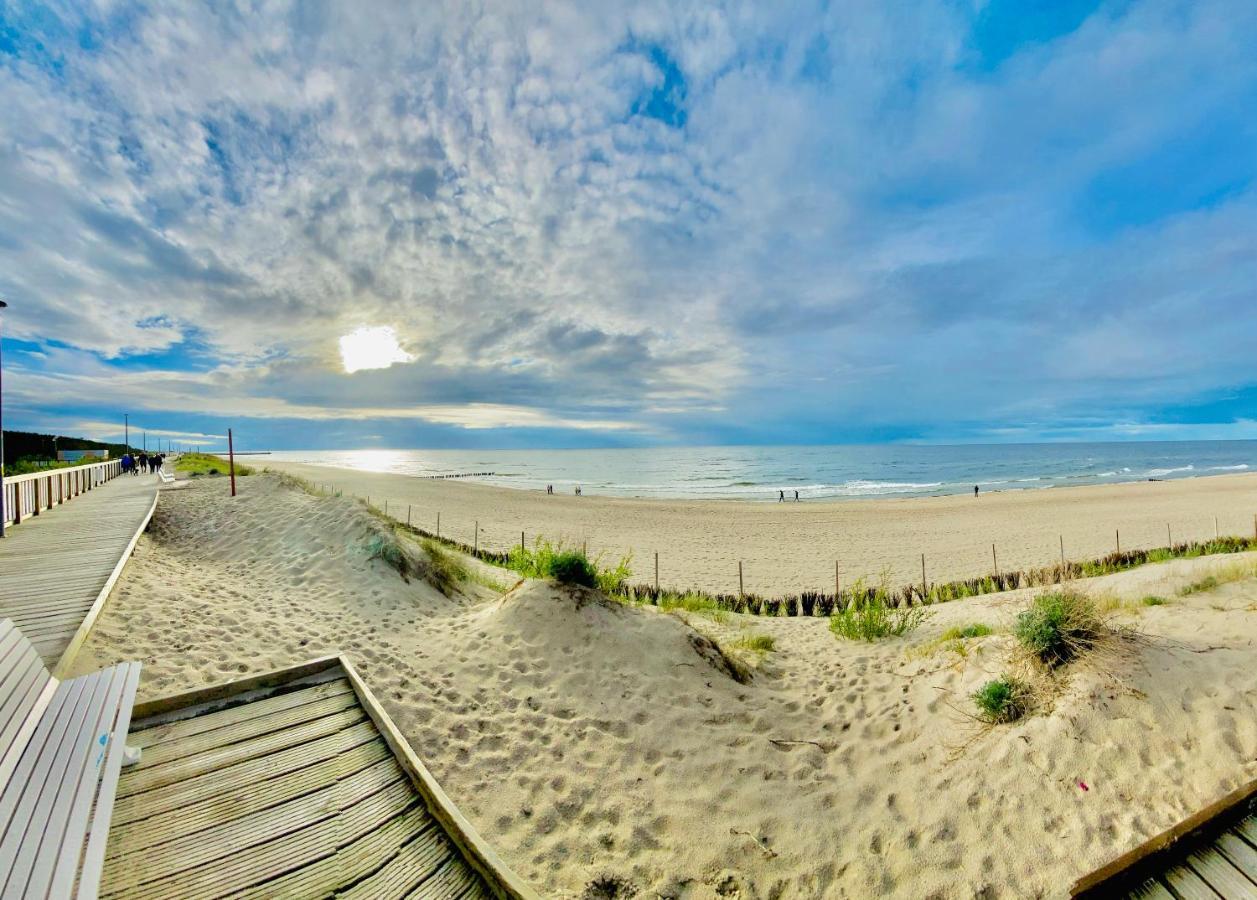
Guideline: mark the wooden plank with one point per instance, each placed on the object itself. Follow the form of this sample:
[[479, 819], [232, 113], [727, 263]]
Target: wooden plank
[[80, 636], [405, 870], [450, 882], [1152, 890], [202, 763], [1188, 885], [278, 857], [354, 858], [190, 704], [1220, 875], [1248, 828], [185, 728], [1241, 854], [244, 799], [251, 729], [134, 807], [238, 835], [501, 879]]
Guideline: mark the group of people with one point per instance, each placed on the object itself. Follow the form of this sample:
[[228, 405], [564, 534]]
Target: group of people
[[550, 489], [781, 496], [134, 465]]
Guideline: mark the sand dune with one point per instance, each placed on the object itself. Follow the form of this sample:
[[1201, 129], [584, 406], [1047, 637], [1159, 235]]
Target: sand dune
[[594, 745], [793, 546]]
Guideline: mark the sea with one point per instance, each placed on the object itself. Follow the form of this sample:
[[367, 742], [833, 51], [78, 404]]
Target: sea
[[816, 472]]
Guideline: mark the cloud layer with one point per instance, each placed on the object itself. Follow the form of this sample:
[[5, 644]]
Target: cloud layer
[[595, 224]]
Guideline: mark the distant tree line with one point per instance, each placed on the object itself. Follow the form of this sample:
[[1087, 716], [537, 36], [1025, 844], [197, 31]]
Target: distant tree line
[[31, 446]]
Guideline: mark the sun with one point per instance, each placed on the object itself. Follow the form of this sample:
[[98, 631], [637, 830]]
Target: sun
[[371, 348]]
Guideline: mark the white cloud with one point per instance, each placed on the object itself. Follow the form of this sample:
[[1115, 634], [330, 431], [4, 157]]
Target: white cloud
[[854, 223]]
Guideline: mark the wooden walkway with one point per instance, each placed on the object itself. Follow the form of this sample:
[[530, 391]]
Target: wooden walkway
[[296, 790], [1210, 855], [57, 569]]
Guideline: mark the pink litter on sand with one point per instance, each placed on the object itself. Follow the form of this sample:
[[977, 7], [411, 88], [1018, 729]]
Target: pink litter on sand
[[1083, 785]]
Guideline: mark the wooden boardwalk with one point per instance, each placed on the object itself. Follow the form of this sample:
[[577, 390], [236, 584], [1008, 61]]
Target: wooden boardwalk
[[1210, 855], [300, 789], [57, 568]]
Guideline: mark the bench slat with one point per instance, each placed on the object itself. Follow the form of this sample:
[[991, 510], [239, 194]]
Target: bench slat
[[102, 809], [44, 811], [22, 790]]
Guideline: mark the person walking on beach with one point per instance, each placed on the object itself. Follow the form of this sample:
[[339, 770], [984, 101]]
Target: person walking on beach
[[975, 490], [781, 496], [796, 496]]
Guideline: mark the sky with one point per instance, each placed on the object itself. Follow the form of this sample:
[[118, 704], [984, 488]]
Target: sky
[[585, 224]]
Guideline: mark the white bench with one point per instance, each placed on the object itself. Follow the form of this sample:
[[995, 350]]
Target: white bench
[[62, 744]]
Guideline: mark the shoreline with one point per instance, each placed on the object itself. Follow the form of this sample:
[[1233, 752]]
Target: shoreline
[[791, 547]]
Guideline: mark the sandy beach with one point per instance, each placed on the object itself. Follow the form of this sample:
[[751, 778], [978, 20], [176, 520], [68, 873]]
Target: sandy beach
[[788, 547], [601, 750]]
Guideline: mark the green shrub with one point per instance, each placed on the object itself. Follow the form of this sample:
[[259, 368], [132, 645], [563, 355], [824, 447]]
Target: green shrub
[[1058, 626], [957, 632], [1003, 699], [1154, 601], [875, 618], [613, 580], [571, 567]]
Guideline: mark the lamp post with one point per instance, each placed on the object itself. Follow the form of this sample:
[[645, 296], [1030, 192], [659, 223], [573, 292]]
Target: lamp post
[[3, 514]]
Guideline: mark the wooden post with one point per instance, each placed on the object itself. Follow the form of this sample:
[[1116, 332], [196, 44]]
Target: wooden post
[[476, 542], [741, 590], [1118, 533], [1215, 528], [231, 462], [521, 542], [1062, 551], [438, 526], [995, 560], [657, 563], [925, 588], [407, 515], [386, 507], [836, 584], [1168, 540]]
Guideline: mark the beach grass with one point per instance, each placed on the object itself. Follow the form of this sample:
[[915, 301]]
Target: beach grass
[[875, 618], [198, 464], [963, 632]]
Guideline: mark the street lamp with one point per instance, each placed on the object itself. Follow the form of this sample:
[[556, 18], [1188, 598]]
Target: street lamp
[[3, 305]]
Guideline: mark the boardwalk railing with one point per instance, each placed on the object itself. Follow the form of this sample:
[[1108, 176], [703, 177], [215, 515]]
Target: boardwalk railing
[[29, 495]]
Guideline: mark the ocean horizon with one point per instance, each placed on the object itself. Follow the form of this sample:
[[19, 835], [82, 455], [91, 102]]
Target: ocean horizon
[[757, 473]]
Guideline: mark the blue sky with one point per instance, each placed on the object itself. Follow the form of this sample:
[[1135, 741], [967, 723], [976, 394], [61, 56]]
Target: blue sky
[[594, 225]]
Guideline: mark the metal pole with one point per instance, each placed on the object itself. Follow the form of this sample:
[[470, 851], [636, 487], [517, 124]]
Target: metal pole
[[231, 462], [126, 431]]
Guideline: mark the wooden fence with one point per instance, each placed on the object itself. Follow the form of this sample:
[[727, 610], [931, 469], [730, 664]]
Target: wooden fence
[[29, 495]]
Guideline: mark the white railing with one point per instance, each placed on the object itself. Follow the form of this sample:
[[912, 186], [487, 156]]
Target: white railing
[[29, 495]]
